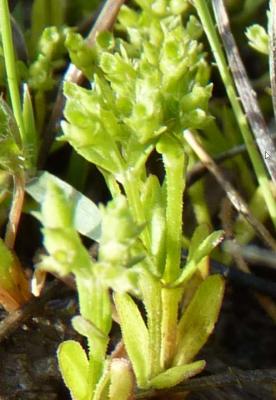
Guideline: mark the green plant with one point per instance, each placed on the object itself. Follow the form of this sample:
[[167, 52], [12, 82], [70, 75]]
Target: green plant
[[147, 84], [144, 92]]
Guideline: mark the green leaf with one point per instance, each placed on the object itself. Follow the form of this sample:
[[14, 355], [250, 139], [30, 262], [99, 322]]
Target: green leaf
[[151, 294], [102, 386], [199, 249], [174, 162], [198, 320], [175, 375], [81, 54], [199, 235], [87, 328], [135, 336], [31, 142], [154, 207], [74, 367], [87, 218]]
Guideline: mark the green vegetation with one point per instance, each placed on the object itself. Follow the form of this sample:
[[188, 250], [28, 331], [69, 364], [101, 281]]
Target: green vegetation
[[147, 83]]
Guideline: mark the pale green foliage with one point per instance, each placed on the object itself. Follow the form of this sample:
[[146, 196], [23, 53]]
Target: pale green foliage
[[50, 52], [175, 375], [137, 344], [155, 84], [258, 38], [197, 322], [81, 54], [68, 255], [74, 366], [144, 92], [121, 253]]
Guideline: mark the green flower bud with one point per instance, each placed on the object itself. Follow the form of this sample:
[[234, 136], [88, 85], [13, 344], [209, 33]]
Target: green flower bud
[[194, 28], [179, 6], [258, 38], [119, 233], [83, 56]]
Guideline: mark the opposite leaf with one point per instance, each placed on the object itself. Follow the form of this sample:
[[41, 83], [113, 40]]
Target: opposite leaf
[[135, 336], [199, 249], [175, 375], [199, 319], [74, 367]]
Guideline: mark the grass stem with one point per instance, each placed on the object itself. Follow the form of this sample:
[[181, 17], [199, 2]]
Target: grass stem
[[10, 63]]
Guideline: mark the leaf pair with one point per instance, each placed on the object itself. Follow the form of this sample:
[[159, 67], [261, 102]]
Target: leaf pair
[[193, 330], [117, 381]]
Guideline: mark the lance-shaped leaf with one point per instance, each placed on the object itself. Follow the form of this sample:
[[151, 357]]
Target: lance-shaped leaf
[[175, 375], [199, 319], [31, 142], [135, 336], [74, 367], [154, 207], [200, 248]]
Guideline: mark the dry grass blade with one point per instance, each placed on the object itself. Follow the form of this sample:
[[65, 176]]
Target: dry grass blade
[[199, 169], [235, 198], [272, 52], [246, 93], [253, 254], [104, 22]]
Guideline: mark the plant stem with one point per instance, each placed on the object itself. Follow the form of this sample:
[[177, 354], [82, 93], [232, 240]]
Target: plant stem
[[151, 290], [174, 162], [170, 302], [209, 28], [10, 63]]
